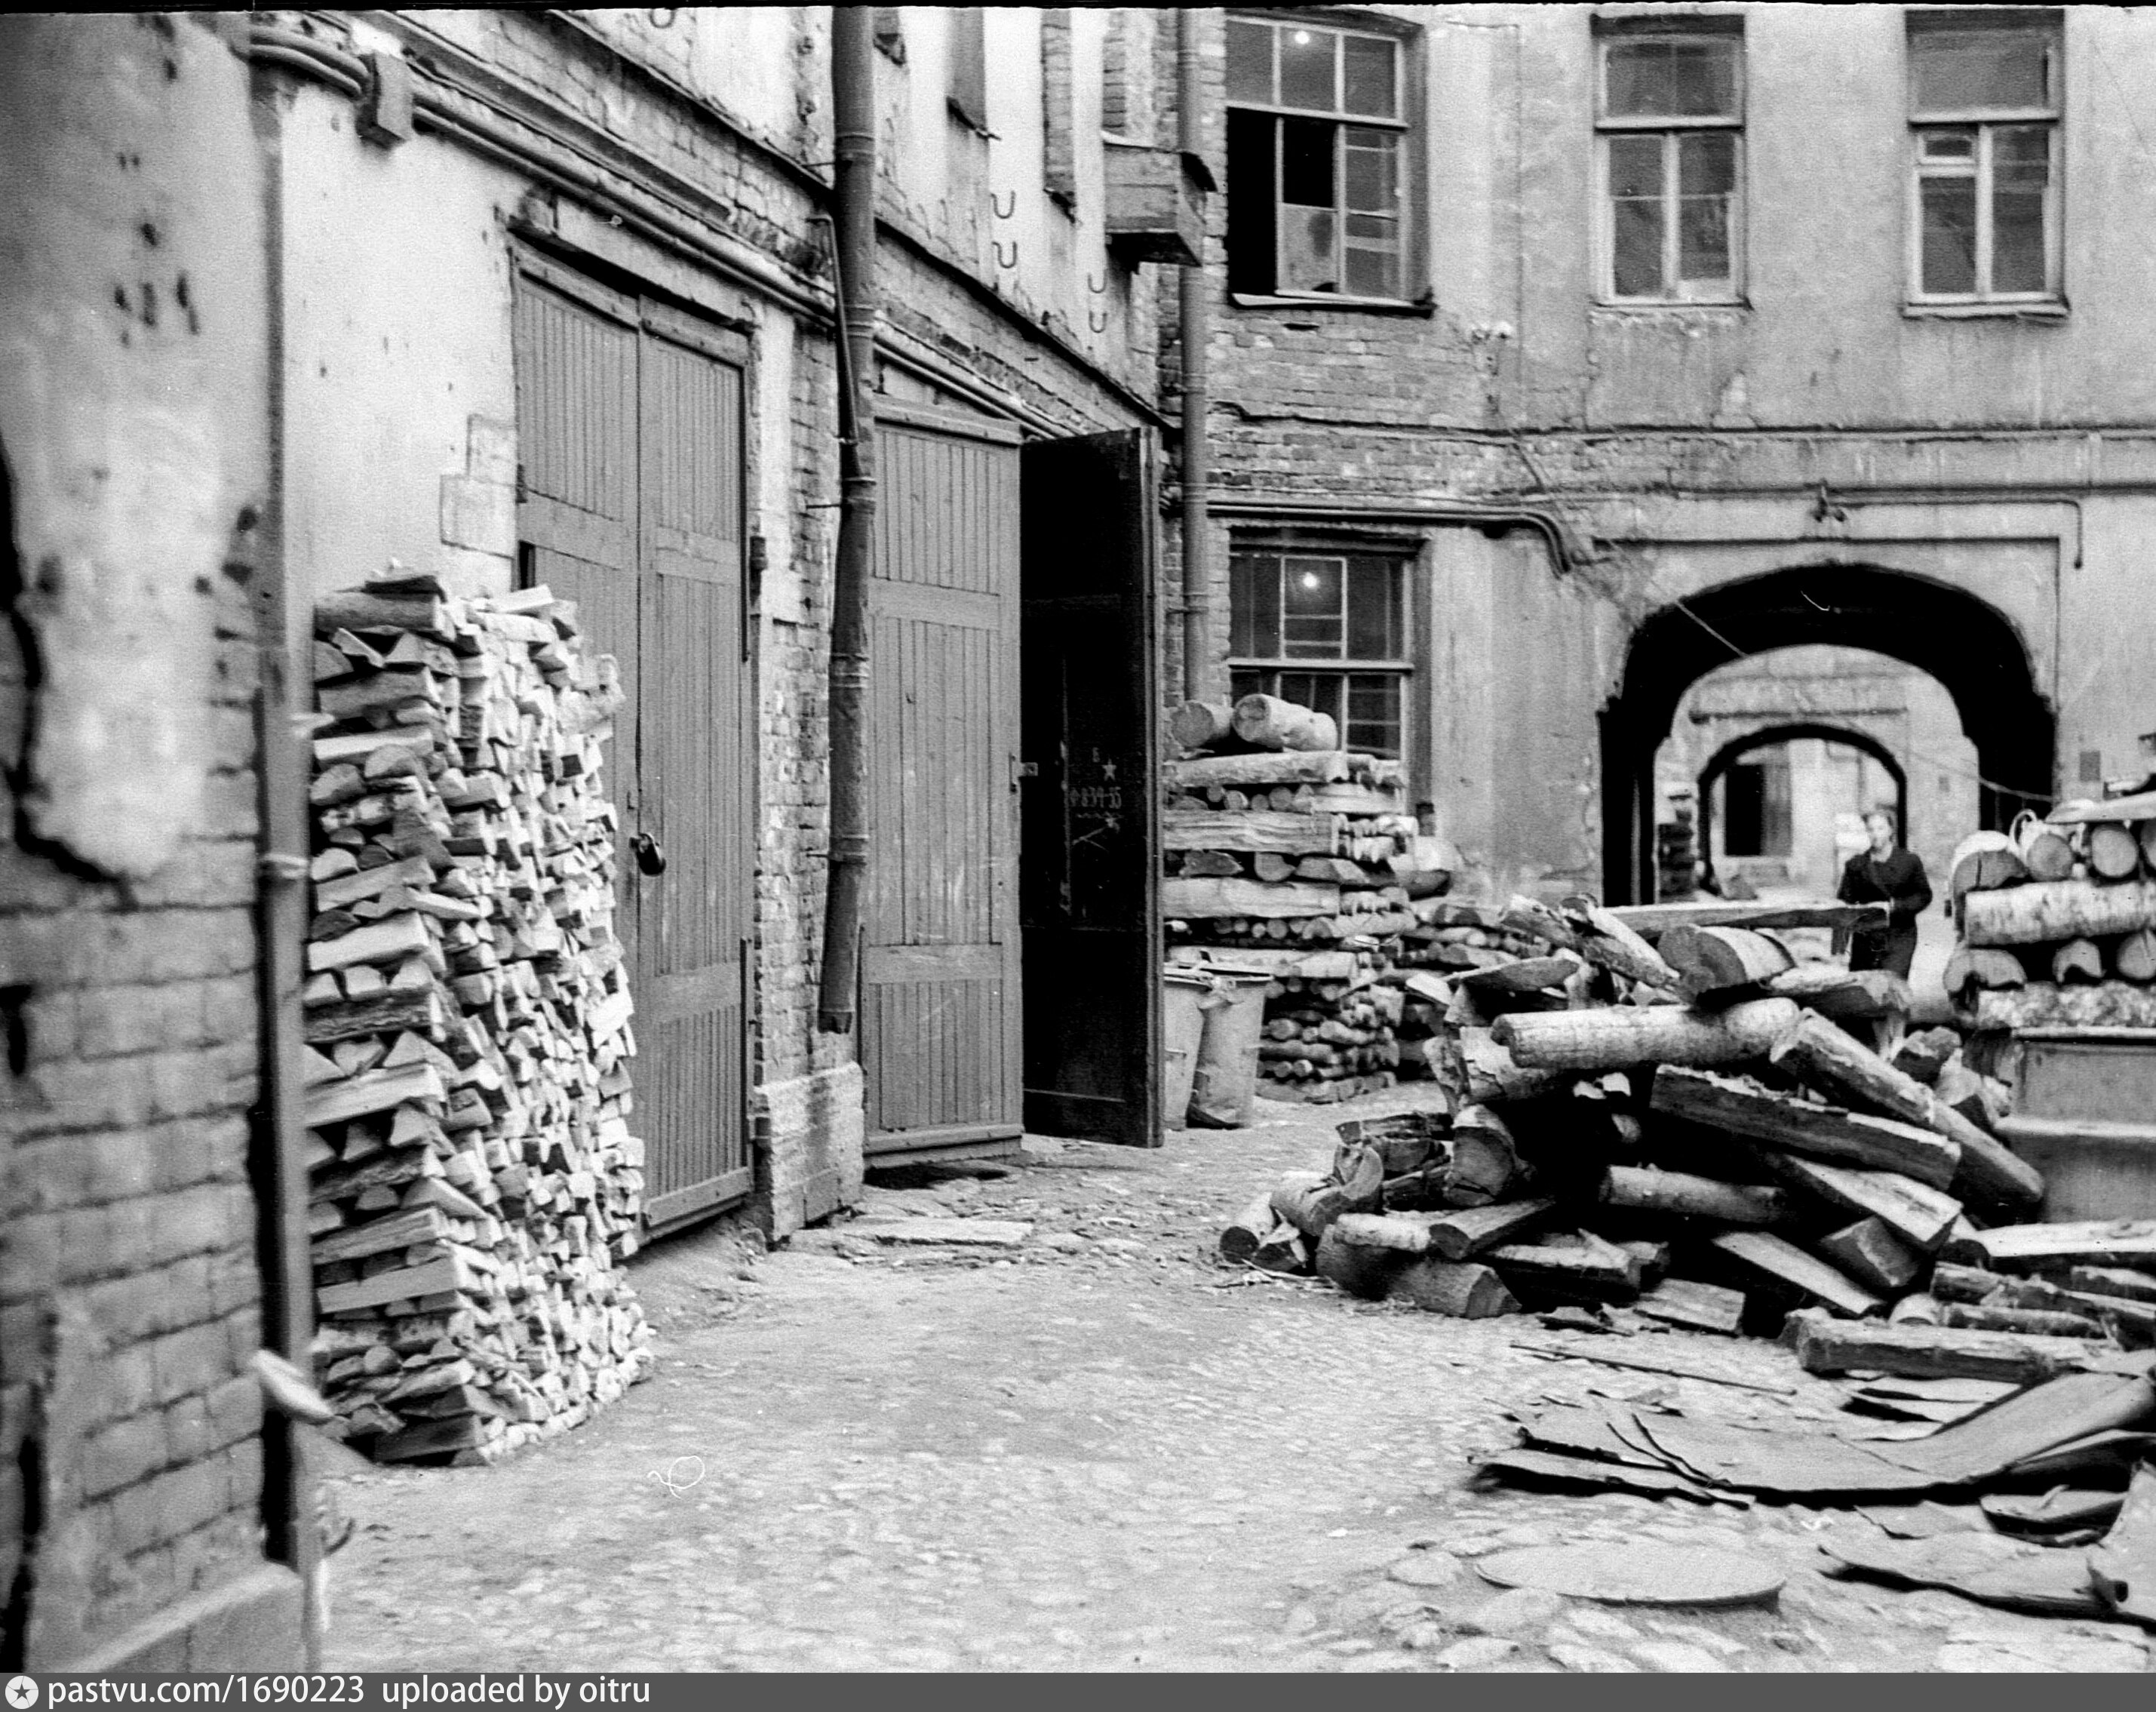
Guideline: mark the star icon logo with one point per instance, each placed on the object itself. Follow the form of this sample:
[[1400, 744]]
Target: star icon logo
[[22, 1693]]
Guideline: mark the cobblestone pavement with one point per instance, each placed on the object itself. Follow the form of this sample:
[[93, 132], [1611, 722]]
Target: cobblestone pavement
[[1097, 1453]]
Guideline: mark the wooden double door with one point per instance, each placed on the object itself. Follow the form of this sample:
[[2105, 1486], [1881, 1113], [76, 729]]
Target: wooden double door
[[1010, 975], [631, 503]]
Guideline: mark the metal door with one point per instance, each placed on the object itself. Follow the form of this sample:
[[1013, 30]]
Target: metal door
[[631, 497], [940, 974], [1089, 885]]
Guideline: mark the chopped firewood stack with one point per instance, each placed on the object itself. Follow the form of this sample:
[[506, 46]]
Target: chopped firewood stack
[[2058, 920], [1662, 1112], [475, 1183], [1287, 854]]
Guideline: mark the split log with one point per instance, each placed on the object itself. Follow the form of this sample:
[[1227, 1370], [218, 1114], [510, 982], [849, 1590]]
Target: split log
[[1711, 959], [1799, 1126], [1870, 1253], [2090, 1241], [1832, 990], [2134, 958], [1252, 830], [1583, 1268], [1484, 1158], [1492, 1076], [1209, 865], [1825, 1345], [1249, 1229], [1984, 861], [2044, 1005], [1585, 929], [2113, 851], [2044, 852], [2112, 1281], [1645, 1189], [1787, 1264], [1271, 723], [1330, 871], [1461, 1235], [1192, 900], [2033, 1321], [1323, 766], [1307, 1202], [1697, 1306], [1199, 725], [1619, 1038], [1829, 1059], [1271, 867], [2078, 960], [1988, 968], [2038, 914], [1919, 1214], [1526, 974], [1357, 1271], [1465, 1290], [1395, 1231]]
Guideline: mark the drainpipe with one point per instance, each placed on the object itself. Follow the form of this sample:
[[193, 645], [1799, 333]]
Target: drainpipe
[[1195, 306], [853, 107]]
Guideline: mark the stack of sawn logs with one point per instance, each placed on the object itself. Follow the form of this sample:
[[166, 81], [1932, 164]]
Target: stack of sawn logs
[[2058, 920], [1287, 854], [474, 1183], [1672, 1120]]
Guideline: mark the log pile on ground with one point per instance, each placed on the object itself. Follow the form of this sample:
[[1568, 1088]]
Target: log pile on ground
[[473, 1180], [1288, 854], [1673, 1123], [2058, 920]]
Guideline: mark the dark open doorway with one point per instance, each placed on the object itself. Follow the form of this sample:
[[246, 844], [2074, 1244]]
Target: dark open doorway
[[1967, 645]]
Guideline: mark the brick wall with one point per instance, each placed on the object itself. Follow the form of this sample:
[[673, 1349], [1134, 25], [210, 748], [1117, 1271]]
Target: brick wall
[[131, 1455]]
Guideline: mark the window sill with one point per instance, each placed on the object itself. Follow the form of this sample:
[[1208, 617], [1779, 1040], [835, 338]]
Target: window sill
[[1664, 305], [2047, 312], [1364, 306]]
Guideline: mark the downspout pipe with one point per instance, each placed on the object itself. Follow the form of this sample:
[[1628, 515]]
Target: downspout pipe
[[1196, 315], [854, 173]]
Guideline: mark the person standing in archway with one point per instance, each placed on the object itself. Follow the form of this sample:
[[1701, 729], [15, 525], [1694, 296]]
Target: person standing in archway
[[1889, 874]]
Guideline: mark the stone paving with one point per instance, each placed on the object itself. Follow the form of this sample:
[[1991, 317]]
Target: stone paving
[[1096, 1450]]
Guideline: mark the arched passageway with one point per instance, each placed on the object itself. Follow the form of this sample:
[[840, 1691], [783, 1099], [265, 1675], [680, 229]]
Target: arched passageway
[[1737, 748], [1964, 643]]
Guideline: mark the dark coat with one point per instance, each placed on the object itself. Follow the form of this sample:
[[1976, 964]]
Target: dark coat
[[1899, 881]]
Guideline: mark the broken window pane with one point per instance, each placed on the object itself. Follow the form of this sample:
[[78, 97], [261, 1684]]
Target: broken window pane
[[1307, 175], [1249, 62], [2020, 172], [1948, 237], [1309, 223], [1671, 77], [1307, 61], [1964, 71], [1368, 84]]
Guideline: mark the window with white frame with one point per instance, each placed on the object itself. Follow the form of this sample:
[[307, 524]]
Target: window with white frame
[[1670, 108], [1326, 628], [1984, 136], [1317, 152]]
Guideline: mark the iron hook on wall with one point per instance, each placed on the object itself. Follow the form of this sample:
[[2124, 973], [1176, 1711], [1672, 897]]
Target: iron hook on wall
[[1000, 212], [996, 244], [1099, 290], [1099, 323]]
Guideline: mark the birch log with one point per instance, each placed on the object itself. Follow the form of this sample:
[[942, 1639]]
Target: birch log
[[1620, 1037], [1272, 723], [2039, 914], [1198, 725]]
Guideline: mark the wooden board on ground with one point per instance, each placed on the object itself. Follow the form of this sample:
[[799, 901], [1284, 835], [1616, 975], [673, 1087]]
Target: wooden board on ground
[[2089, 1241], [1825, 1345], [1636, 1572], [1789, 1264], [1920, 1215]]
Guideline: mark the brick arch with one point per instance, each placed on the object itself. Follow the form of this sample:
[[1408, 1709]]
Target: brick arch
[[1967, 645], [1766, 736]]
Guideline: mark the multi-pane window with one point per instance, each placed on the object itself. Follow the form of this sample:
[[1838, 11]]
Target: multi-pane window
[[1983, 116], [1327, 629], [1671, 115], [1316, 136]]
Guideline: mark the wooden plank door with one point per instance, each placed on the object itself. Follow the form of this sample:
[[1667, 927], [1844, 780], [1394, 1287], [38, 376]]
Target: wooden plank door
[[631, 493], [1090, 876], [696, 748], [940, 1029]]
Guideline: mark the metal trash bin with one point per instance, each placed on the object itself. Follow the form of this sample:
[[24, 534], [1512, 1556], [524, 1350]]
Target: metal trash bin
[[1225, 1084], [1182, 1028]]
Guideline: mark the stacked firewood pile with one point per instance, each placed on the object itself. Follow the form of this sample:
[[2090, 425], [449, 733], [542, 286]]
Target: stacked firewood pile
[[2058, 920], [473, 1180], [1670, 1119], [1290, 855]]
